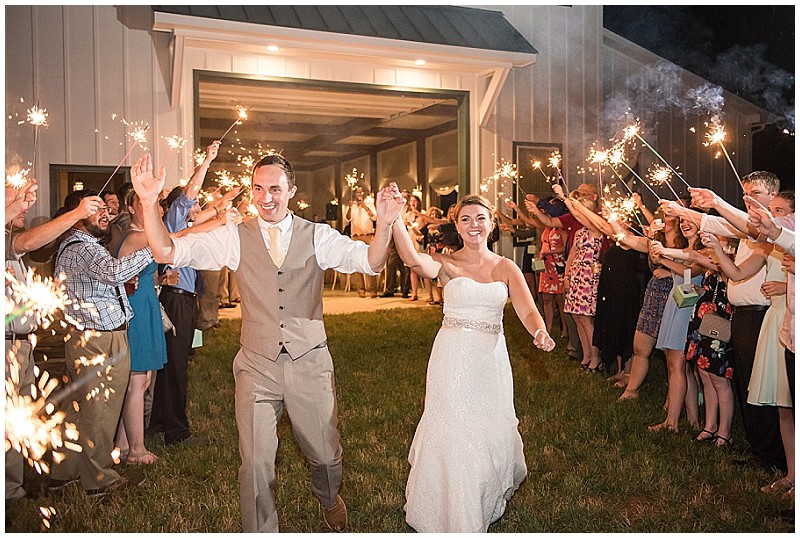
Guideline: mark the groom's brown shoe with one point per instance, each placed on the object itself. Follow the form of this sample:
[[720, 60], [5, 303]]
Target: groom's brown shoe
[[336, 516]]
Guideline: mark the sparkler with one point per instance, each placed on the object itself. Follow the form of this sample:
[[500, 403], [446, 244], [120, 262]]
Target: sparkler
[[175, 143], [618, 157], [716, 135], [40, 297], [633, 131], [36, 117], [555, 161], [17, 180], [138, 134], [352, 180], [599, 157], [661, 176], [537, 165], [242, 115]]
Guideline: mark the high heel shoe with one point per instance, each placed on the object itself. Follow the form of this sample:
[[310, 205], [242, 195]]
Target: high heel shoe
[[597, 369]]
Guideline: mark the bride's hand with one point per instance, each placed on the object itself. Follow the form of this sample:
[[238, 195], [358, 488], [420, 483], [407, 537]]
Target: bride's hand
[[543, 341]]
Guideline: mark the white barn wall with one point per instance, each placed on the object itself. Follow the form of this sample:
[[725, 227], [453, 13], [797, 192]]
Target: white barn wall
[[84, 63]]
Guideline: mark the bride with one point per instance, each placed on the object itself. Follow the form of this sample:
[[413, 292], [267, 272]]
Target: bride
[[466, 457]]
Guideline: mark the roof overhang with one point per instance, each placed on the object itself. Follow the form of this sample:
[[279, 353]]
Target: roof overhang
[[224, 34]]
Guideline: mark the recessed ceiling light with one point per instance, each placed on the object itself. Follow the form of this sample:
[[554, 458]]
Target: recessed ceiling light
[[273, 48], [420, 62]]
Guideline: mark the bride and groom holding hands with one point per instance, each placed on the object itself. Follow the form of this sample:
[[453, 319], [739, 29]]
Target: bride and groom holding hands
[[466, 456]]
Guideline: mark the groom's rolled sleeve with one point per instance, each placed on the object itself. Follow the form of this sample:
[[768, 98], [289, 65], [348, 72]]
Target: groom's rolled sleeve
[[339, 252]]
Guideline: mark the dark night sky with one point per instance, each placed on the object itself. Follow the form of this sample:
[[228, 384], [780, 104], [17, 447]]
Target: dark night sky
[[748, 50]]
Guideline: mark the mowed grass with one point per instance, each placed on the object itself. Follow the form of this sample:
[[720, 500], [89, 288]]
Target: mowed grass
[[592, 465]]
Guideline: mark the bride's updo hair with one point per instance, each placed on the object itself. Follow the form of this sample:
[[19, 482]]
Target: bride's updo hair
[[475, 199]]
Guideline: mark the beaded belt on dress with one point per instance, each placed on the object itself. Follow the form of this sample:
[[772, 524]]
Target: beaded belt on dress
[[494, 328]]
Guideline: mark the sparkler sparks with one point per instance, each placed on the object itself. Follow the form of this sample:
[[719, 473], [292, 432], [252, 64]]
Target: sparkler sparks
[[40, 297], [716, 135], [241, 116], [37, 116], [661, 175], [17, 180], [555, 162], [174, 142]]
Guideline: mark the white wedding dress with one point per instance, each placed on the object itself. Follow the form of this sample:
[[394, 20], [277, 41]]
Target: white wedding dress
[[466, 457]]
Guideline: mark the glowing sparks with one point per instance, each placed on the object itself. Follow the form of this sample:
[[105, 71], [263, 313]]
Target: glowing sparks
[[17, 180], [302, 205], [353, 178], [247, 161], [630, 132], [137, 133], [225, 180], [37, 116], [555, 160], [659, 175], [175, 142], [199, 156], [715, 135], [241, 115], [39, 297], [33, 426]]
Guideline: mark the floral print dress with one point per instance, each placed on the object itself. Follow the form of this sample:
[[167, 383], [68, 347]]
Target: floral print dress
[[584, 274], [551, 280], [708, 353]]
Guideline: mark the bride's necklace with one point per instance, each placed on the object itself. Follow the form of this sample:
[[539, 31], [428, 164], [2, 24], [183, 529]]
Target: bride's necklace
[[135, 228]]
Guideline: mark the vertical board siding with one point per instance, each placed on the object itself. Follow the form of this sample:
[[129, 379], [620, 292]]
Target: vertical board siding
[[86, 62], [82, 79]]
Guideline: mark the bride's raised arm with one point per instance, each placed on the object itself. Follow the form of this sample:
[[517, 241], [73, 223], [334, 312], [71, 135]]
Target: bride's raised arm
[[525, 308], [422, 264]]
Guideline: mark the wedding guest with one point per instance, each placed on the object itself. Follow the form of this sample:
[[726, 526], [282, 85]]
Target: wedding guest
[[361, 215], [148, 348], [681, 383], [761, 423], [95, 277]]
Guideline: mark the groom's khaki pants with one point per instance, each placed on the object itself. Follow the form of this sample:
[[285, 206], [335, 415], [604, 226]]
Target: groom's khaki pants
[[307, 389]]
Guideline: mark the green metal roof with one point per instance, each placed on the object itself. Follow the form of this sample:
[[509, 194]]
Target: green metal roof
[[443, 25]]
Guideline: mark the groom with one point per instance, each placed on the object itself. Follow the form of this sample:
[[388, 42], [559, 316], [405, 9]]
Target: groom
[[280, 262]]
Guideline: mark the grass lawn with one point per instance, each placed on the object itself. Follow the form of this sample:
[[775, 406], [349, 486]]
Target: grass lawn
[[592, 465]]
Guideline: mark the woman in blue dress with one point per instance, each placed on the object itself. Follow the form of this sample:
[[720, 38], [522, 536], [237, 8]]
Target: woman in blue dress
[[681, 383], [148, 346]]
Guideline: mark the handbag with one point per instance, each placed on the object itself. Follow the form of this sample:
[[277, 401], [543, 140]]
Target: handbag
[[715, 326], [166, 322]]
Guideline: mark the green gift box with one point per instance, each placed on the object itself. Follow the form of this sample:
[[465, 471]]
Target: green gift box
[[538, 265], [197, 341], [685, 295]]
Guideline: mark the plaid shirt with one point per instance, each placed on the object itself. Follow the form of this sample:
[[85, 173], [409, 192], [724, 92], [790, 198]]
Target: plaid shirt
[[96, 277]]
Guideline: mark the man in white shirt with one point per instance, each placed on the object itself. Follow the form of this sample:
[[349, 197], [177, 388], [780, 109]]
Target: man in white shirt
[[361, 216], [280, 262], [761, 423]]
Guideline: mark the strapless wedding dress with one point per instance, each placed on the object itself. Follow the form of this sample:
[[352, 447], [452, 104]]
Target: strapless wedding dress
[[466, 457]]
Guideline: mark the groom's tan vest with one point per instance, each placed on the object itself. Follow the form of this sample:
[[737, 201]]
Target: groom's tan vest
[[281, 307]]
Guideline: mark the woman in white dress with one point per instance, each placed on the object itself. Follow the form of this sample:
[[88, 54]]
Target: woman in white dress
[[466, 457]]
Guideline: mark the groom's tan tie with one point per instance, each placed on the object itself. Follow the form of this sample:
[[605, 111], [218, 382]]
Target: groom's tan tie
[[275, 247]]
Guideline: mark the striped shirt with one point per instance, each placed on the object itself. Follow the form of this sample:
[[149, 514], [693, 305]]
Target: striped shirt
[[93, 276]]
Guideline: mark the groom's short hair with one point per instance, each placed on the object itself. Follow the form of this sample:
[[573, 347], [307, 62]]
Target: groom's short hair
[[278, 160]]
